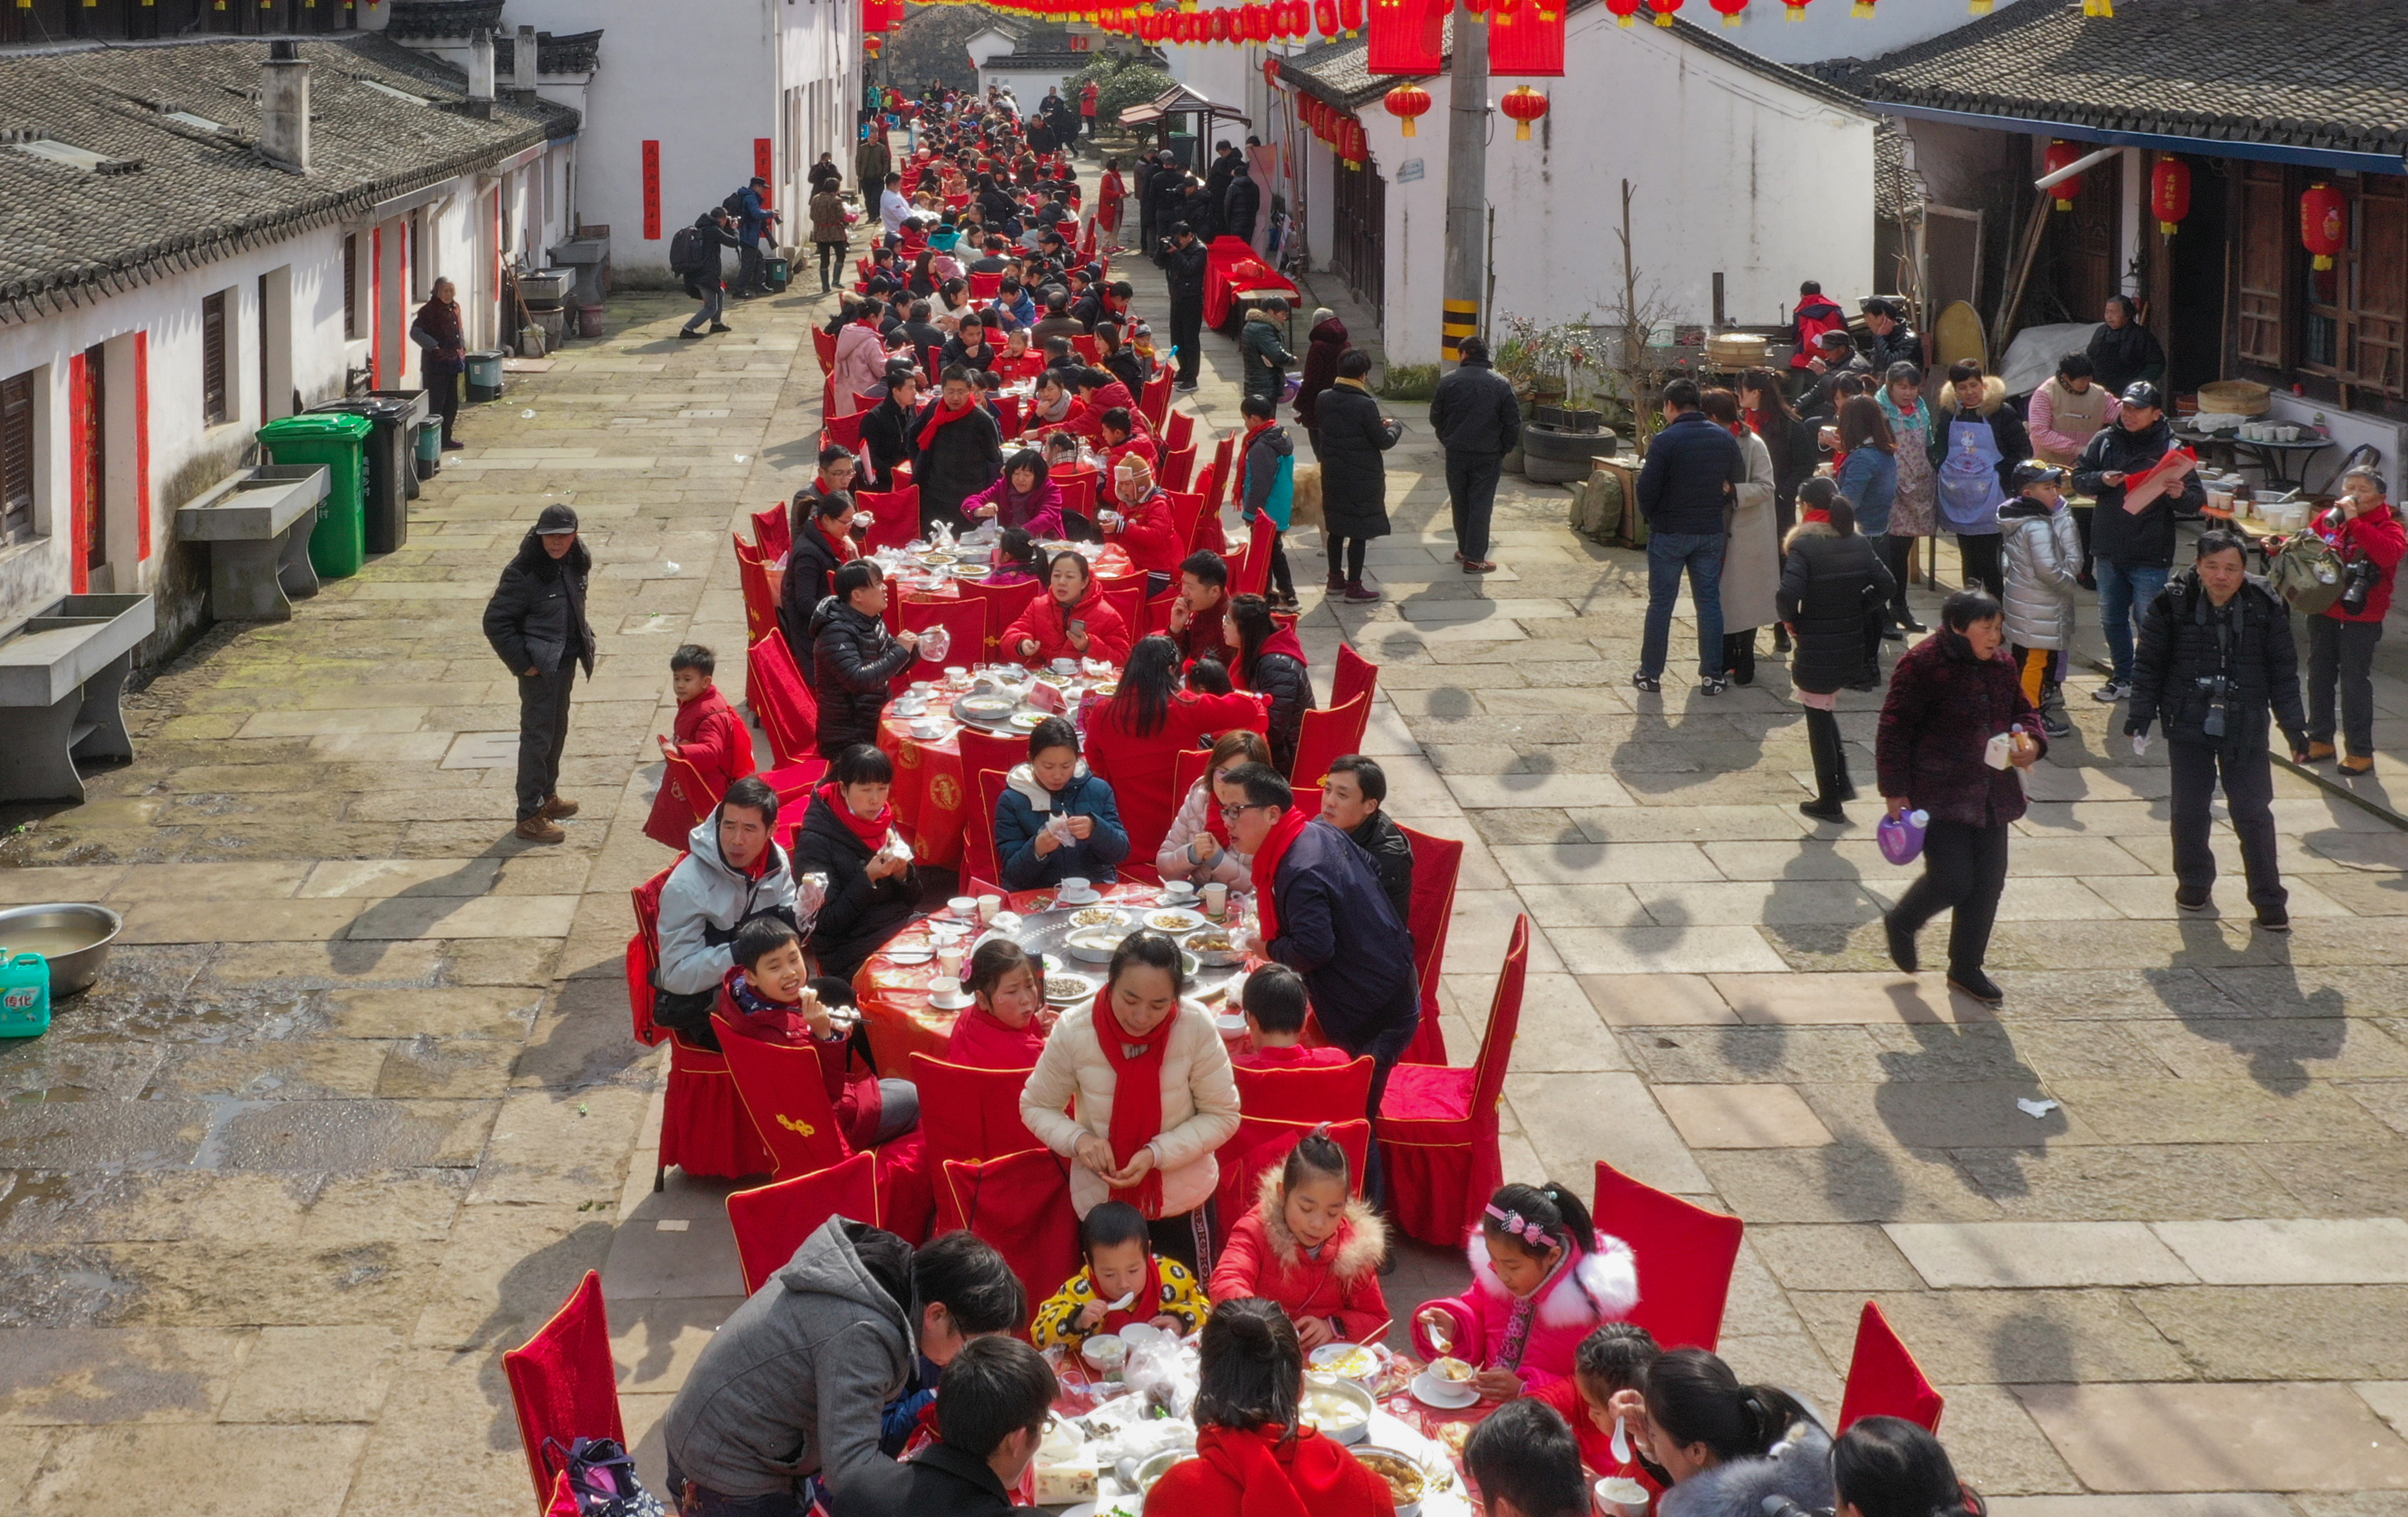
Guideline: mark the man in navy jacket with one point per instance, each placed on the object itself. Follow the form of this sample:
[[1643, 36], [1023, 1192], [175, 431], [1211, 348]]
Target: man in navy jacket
[[1692, 465]]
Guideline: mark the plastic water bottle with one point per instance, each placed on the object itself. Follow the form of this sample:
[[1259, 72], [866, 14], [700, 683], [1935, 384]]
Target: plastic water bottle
[[1902, 837], [24, 994]]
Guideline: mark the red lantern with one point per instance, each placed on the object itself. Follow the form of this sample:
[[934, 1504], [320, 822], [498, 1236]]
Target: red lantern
[[1271, 70], [1624, 10], [1734, 11], [1222, 23], [2170, 194], [1663, 9], [1407, 101], [1793, 10], [1325, 18], [1350, 15], [2061, 154], [1353, 145], [1479, 9], [2324, 222], [1525, 104]]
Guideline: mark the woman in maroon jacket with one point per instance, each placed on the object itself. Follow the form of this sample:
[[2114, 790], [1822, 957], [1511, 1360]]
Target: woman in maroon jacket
[[1953, 731]]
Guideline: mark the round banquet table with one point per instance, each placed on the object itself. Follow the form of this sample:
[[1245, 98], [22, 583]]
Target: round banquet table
[[1111, 566], [895, 1008]]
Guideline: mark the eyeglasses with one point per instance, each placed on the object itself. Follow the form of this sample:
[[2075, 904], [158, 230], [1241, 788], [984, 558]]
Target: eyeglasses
[[1231, 813]]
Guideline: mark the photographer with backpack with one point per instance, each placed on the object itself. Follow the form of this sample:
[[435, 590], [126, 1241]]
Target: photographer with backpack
[[694, 253], [2365, 533]]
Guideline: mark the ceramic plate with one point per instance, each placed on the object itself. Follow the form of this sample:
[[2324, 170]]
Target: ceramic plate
[[952, 1003], [910, 955], [1081, 897], [1431, 1392], [1175, 919], [1027, 720]]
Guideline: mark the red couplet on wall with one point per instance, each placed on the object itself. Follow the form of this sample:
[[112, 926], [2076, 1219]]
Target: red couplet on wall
[[652, 191], [142, 440], [763, 160], [80, 420]]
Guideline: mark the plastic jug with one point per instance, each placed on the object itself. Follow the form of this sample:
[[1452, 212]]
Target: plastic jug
[[24, 994], [1902, 837]]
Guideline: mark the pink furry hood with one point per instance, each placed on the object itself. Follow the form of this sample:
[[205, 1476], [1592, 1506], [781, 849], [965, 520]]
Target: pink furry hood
[[1602, 1285]]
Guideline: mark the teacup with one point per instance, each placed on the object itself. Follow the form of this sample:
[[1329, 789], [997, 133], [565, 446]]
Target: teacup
[[945, 987], [987, 907], [963, 907], [1073, 885]]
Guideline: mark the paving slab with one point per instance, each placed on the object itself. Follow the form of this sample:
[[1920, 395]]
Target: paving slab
[[2037, 1255], [2174, 1438]]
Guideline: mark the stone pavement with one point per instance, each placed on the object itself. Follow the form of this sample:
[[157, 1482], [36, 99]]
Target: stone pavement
[[357, 1104]]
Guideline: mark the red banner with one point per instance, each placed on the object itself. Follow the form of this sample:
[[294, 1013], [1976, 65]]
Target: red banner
[[763, 160], [142, 439], [1407, 37], [652, 191], [1522, 45]]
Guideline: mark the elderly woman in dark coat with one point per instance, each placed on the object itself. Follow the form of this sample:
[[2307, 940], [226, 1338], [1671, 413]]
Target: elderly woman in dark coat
[[1956, 728], [1353, 476], [1326, 341], [1830, 574]]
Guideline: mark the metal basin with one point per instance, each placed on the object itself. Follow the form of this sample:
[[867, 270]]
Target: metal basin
[[72, 936]]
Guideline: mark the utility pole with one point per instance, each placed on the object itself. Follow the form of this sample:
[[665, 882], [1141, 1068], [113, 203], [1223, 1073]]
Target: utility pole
[[1467, 184]]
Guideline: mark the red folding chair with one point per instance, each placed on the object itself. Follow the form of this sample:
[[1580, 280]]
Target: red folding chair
[[564, 1386], [1250, 573], [1078, 491], [686, 798], [983, 750], [752, 577], [1262, 1143], [773, 531], [823, 345], [1884, 1379], [1020, 1202], [1004, 604], [1186, 510], [1225, 453], [1690, 1252], [842, 431], [771, 1222], [1186, 768], [1355, 676], [896, 517], [1008, 416], [969, 1113], [703, 1130], [1177, 465], [782, 700], [782, 1091], [1126, 597], [1334, 1094], [965, 634], [1083, 344], [1156, 402], [1437, 865], [985, 286], [644, 955], [1327, 735], [978, 828], [1157, 611], [1437, 1123], [1179, 431]]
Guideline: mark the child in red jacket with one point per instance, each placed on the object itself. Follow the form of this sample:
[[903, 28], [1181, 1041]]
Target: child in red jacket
[[1312, 1247], [1275, 1004], [1613, 1359], [710, 735]]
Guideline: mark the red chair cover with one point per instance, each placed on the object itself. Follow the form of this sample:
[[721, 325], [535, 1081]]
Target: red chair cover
[[907, 1188], [982, 751], [1208, 532], [1338, 1092], [1083, 344], [1008, 416], [781, 701], [969, 1113], [1884, 1379], [1176, 468], [784, 1098], [1686, 1251], [1179, 431], [1126, 597], [773, 531], [1004, 604], [1437, 1123], [753, 576], [771, 1221], [793, 783], [1327, 735], [1224, 454], [1020, 1203], [686, 798], [985, 286], [823, 344], [1355, 676], [842, 431], [966, 632], [1261, 1143], [1185, 770], [564, 1384], [1157, 611], [704, 1127], [1078, 492], [897, 517], [1155, 401], [1437, 865], [978, 828], [644, 953], [1186, 510], [1254, 577]]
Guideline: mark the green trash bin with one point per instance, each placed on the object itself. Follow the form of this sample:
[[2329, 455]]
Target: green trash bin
[[337, 439]]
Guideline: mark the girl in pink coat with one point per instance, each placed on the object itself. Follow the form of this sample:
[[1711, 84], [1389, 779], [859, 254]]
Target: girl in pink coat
[[1542, 1278]]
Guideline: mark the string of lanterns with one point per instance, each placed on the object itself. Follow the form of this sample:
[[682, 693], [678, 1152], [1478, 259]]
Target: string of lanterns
[[1296, 21], [1734, 13]]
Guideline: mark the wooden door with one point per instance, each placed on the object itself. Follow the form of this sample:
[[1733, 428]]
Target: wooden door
[[1359, 256], [2088, 243], [2268, 232]]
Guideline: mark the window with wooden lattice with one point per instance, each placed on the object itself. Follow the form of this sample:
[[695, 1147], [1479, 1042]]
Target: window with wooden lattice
[[2355, 314]]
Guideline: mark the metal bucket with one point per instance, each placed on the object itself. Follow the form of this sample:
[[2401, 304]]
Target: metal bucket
[[83, 932]]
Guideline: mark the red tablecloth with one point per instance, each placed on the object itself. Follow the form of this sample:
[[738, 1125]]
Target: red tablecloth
[[1220, 261]]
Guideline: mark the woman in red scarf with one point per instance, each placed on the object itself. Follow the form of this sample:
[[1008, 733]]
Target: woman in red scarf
[[1071, 619], [847, 835], [1005, 1029], [1266, 658], [1251, 1458], [1133, 741], [1153, 1096]]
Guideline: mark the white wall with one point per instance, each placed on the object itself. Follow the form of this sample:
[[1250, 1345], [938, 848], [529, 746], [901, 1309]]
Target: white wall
[[1830, 30], [1734, 174], [1027, 85]]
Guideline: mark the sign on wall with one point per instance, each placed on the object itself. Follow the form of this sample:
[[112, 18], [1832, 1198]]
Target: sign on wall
[[652, 190]]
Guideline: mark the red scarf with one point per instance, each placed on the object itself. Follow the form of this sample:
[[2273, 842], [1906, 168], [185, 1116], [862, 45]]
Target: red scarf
[[1137, 1096], [1148, 1305], [1279, 1480], [1285, 831], [939, 416], [839, 540], [873, 832]]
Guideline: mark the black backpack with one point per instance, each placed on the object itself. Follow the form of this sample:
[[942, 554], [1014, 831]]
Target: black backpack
[[735, 203], [685, 251]]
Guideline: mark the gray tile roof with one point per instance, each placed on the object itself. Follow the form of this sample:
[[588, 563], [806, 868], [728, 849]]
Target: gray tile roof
[[70, 237], [2280, 72], [443, 18], [576, 54], [1899, 191], [1339, 72]]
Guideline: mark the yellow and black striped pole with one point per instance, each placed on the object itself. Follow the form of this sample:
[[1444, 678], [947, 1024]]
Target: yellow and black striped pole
[[1457, 320]]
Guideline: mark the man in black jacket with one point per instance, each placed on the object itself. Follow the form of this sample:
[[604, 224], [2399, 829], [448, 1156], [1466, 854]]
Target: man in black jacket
[[927, 339], [536, 624], [1149, 165], [1692, 468], [958, 452], [855, 658], [1182, 269], [1354, 800], [703, 280], [1241, 202], [2215, 657], [2134, 550], [1478, 419], [889, 430], [989, 1421], [1893, 340]]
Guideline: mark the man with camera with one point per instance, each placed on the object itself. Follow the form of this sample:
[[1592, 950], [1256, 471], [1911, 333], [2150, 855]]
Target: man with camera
[[1183, 266], [2216, 659]]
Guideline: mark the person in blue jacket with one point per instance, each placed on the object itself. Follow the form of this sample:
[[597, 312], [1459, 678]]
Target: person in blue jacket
[[1056, 820]]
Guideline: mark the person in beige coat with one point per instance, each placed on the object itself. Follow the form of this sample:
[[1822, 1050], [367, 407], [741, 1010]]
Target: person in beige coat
[[1752, 557], [1156, 1154]]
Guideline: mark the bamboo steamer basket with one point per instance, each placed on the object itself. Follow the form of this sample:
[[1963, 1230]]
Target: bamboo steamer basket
[[2235, 397]]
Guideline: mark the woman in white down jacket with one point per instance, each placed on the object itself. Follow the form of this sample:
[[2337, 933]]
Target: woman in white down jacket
[[1147, 1139], [1752, 556], [2044, 556]]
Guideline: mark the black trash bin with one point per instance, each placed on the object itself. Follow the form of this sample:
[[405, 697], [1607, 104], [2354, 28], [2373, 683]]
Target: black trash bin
[[389, 465]]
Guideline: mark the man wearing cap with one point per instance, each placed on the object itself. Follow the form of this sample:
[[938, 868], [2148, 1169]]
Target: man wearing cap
[[536, 624], [1182, 269], [1835, 354], [2134, 549]]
